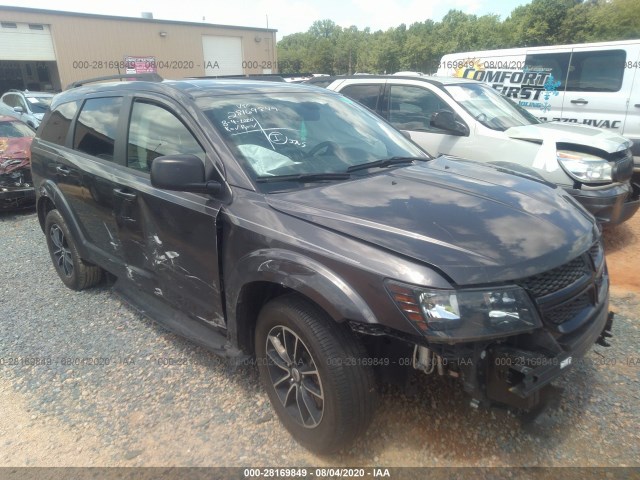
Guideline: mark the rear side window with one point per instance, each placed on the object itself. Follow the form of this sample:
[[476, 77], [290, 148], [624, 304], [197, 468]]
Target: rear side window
[[364, 94], [96, 127], [57, 126], [599, 71], [155, 131]]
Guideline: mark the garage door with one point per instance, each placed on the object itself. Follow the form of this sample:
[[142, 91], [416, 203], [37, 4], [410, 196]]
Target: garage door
[[222, 55], [26, 41]]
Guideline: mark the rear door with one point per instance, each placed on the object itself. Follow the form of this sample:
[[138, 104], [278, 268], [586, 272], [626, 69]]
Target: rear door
[[86, 174], [169, 239], [631, 128], [598, 88]]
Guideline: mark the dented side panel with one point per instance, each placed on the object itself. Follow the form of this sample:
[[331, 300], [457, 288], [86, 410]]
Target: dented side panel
[[171, 251]]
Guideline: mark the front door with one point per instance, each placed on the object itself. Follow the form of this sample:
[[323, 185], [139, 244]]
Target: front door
[[598, 88], [169, 238]]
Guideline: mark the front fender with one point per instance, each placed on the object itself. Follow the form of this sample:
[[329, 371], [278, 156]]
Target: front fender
[[301, 274]]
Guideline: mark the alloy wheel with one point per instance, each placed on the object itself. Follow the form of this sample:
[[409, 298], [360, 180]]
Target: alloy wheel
[[61, 250], [294, 376]]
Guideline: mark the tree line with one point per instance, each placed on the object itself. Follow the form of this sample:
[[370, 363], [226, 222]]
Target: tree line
[[329, 48]]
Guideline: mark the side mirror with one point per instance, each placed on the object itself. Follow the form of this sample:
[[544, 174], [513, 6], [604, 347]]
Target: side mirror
[[182, 173], [18, 110], [446, 120]]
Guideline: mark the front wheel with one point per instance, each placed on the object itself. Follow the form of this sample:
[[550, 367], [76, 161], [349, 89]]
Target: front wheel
[[314, 373], [72, 270]]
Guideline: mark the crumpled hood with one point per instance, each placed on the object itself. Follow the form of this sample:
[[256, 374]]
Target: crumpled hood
[[559, 132], [15, 153], [470, 221]]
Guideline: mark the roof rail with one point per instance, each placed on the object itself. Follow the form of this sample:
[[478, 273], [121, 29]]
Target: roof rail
[[148, 77]]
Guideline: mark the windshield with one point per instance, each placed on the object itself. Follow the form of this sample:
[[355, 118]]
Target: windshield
[[39, 104], [15, 129], [493, 110], [305, 134]]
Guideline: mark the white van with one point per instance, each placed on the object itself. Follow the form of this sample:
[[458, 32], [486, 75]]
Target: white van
[[595, 84]]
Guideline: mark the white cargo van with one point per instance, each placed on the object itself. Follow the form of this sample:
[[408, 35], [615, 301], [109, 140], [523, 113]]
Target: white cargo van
[[595, 84]]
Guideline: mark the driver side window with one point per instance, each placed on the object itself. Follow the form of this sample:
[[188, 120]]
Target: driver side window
[[411, 108], [153, 132]]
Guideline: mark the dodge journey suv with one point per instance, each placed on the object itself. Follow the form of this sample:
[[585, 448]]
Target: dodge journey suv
[[289, 225]]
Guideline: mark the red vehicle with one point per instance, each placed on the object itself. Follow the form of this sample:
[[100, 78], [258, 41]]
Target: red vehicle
[[16, 187]]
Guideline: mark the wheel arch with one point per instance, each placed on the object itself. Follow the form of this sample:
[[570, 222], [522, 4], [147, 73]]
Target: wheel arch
[[267, 274], [50, 198]]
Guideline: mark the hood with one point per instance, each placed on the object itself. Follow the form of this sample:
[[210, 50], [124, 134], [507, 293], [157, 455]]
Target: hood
[[470, 221], [560, 132], [15, 152]]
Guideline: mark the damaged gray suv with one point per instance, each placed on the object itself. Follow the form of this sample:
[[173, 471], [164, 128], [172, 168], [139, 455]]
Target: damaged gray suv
[[287, 225]]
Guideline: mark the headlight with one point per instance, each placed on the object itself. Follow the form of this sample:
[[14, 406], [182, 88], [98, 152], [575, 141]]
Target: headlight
[[466, 314], [584, 167]]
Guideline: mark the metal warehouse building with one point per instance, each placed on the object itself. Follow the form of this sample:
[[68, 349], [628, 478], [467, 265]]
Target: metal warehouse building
[[47, 50]]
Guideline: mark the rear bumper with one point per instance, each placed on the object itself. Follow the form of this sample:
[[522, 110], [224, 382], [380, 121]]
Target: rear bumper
[[611, 205], [16, 198]]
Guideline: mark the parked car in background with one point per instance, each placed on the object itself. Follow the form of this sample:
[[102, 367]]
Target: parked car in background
[[27, 106], [16, 187], [410, 74], [320, 81], [469, 119], [289, 223]]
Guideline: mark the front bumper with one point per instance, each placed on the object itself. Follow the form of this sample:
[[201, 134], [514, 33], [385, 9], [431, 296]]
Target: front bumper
[[12, 198], [611, 205], [518, 378]]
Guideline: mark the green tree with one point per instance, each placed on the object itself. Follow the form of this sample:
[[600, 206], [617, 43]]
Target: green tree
[[329, 48], [617, 20], [539, 22]]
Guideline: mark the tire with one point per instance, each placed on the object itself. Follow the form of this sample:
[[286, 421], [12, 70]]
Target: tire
[[340, 391], [72, 270]]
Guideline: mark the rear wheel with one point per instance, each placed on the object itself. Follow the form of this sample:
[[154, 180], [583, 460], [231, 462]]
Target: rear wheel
[[313, 372], [72, 270]]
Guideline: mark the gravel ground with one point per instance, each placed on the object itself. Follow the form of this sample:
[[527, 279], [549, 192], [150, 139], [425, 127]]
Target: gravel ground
[[160, 401]]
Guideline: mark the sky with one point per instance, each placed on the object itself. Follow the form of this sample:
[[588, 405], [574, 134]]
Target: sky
[[287, 16]]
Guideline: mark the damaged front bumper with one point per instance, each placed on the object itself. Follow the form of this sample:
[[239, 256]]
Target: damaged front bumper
[[517, 373], [518, 377], [611, 204], [16, 190]]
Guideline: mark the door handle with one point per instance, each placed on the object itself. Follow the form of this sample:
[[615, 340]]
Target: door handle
[[63, 170], [579, 101], [123, 194]]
